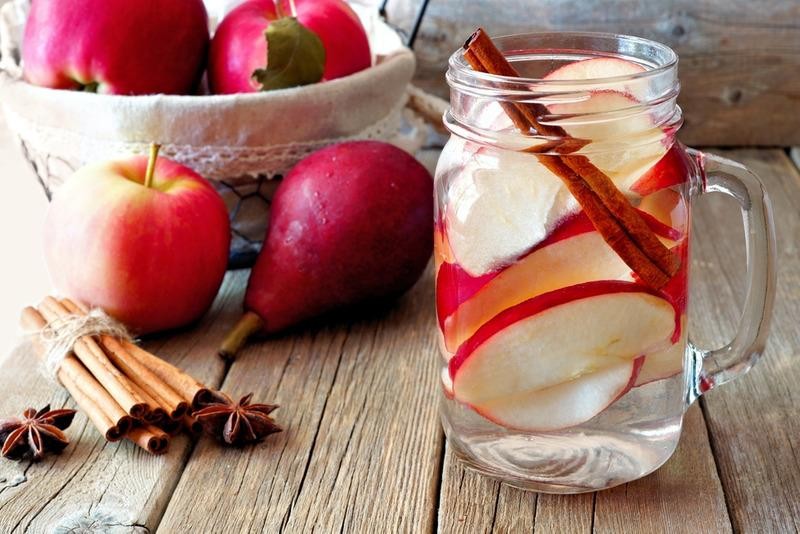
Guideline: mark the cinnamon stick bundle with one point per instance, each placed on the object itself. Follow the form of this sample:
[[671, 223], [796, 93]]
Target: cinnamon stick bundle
[[131, 393], [125, 391], [606, 207], [102, 409], [97, 362], [159, 395]]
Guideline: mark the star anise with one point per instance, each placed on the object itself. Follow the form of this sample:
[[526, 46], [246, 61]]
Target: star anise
[[235, 423], [35, 433]]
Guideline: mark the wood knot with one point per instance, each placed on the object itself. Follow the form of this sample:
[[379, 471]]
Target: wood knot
[[732, 95]]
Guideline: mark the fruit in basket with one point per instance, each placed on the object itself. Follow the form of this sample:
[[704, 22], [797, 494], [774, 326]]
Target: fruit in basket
[[350, 224], [122, 47], [263, 45], [532, 348], [148, 245]]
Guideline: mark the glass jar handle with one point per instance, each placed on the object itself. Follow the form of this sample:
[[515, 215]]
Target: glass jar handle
[[717, 366]]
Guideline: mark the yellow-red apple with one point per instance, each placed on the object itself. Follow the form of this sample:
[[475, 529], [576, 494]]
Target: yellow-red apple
[[150, 252]]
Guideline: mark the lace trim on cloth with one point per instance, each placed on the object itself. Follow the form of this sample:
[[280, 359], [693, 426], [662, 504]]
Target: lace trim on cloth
[[52, 150]]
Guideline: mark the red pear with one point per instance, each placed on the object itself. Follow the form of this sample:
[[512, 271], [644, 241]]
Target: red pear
[[350, 224]]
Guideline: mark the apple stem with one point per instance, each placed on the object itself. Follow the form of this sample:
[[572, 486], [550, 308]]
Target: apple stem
[[249, 324], [151, 164]]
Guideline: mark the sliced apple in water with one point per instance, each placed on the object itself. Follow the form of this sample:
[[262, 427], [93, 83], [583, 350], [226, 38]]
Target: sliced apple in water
[[563, 405], [660, 365], [672, 169], [625, 142], [573, 253], [500, 206], [559, 336], [600, 68], [581, 256], [665, 363]]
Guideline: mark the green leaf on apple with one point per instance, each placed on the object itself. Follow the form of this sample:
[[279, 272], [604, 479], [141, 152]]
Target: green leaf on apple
[[295, 56]]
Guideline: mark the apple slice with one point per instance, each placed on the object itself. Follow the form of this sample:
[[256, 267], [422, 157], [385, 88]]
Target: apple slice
[[447, 383], [626, 143], [563, 405], [600, 68], [499, 206], [573, 253], [672, 169], [665, 363], [582, 258], [559, 336]]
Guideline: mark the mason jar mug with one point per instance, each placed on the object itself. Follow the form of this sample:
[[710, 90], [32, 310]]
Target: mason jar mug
[[562, 255]]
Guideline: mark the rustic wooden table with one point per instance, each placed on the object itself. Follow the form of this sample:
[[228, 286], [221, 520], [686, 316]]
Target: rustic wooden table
[[363, 451]]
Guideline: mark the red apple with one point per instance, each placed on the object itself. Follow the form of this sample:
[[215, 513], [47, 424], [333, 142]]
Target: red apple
[[122, 47], [151, 253], [239, 47]]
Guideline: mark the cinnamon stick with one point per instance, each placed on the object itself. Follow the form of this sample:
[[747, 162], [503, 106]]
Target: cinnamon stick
[[152, 439], [156, 412], [607, 208], [158, 393], [96, 361], [170, 426], [183, 383], [101, 408], [192, 425]]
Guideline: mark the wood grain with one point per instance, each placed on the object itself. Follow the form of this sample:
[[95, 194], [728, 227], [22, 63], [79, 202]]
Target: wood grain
[[740, 60], [361, 445], [687, 482], [108, 487], [753, 421]]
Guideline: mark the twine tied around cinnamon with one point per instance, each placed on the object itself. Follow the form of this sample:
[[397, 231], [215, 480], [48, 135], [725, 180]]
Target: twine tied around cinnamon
[[59, 336]]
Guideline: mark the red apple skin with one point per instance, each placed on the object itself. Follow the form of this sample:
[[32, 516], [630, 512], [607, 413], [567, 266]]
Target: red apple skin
[[352, 223], [127, 47], [239, 46], [154, 257], [672, 169], [541, 303]]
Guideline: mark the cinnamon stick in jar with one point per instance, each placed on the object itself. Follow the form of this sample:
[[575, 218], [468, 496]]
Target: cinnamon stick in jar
[[606, 207]]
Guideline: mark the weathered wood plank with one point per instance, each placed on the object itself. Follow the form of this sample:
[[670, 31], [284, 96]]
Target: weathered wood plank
[[753, 421], [107, 487], [687, 482], [740, 60], [472, 503], [361, 447]]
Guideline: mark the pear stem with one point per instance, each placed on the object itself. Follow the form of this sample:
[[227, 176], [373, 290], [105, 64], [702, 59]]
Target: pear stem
[[151, 165], [249, 324]]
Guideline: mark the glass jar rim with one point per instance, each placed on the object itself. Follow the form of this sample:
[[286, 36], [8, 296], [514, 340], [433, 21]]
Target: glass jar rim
[[660, 59]]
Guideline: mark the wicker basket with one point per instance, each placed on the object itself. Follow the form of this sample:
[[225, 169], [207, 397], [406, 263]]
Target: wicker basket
[[240, 142]]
